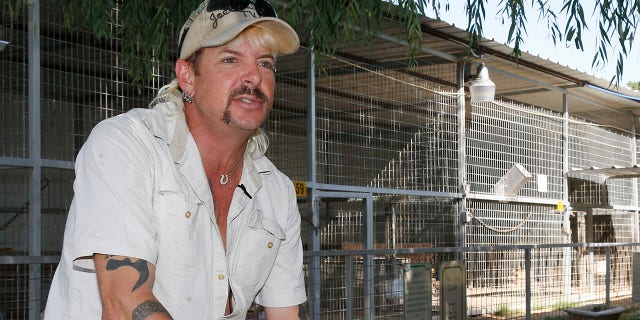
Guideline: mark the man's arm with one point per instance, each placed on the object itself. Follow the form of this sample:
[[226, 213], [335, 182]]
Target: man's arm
[[126, 288], [298, 312]]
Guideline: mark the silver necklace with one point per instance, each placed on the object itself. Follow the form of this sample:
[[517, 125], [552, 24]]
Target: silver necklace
[[224, 178]]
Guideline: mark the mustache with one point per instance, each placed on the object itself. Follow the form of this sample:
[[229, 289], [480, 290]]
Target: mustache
[[244, 90]]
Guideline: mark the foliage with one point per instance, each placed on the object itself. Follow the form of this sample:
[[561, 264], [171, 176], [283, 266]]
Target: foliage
[[561, 317], [631, 313], [505, 311], [561, 305], [634, 308], [634, 85], [146, 23], [14, 6]]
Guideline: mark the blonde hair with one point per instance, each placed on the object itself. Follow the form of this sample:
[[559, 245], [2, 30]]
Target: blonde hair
[[257, 38]]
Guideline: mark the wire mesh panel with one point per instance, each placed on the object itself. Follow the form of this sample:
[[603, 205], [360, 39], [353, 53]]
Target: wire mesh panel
[[83, 82], [615, 226], [287, 124], [343, 282], [14, 288], [419, 222], [594, 146], [13, 85], [553, 285], [14, 217], [497, 223], [372, 134], [501, 135], [398, 222], [56, 194], [342, 224]]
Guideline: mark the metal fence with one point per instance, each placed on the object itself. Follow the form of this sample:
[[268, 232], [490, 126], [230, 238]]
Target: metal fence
[[509, 282]]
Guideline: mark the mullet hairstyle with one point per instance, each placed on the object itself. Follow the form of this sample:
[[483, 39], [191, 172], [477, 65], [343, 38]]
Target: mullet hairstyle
[[171, 93]]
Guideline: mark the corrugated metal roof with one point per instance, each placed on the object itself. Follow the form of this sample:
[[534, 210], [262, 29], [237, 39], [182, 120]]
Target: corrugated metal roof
[[541, 82]]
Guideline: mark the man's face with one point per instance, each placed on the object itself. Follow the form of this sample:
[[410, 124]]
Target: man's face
[[234, 86]]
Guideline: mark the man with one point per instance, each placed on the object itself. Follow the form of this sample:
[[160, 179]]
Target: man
[[177, 213]]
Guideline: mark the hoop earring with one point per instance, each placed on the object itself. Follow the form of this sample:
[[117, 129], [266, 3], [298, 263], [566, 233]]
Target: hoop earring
[[187, 98]]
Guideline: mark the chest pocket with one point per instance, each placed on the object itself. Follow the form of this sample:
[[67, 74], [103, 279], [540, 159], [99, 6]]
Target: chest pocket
[[177, 231], [257, 249]]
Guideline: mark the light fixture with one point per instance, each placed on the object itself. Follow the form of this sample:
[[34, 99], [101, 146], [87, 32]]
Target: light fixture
[[482, 88], [3, 44]]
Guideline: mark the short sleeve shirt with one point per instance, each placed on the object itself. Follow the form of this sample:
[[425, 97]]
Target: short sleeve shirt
[[141, 191]]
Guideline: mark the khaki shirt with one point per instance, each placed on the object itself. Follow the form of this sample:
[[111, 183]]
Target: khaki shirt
[[141, 191]]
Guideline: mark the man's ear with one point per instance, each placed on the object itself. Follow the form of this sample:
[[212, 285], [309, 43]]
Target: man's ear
[[185, 76]]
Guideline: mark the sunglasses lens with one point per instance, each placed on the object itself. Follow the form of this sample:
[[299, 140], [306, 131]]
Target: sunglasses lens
[[238, 5], [216, 5], [264, 9], [232, 5]]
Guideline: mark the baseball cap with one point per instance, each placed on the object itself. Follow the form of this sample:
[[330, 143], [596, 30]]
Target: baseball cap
[[216, 22]]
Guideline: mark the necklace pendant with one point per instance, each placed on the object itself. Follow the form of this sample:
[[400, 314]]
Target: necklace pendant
[[224, 179]]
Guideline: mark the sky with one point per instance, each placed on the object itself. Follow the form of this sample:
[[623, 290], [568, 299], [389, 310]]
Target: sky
[[538, 41]]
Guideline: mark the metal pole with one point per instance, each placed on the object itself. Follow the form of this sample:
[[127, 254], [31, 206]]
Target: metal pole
[[35, 222], [462, 174], [369, 292], [607, 276], [462, 161], [566, 252], [634, 181], [527, 269], [312, 206], [591, 268], [349, 288]]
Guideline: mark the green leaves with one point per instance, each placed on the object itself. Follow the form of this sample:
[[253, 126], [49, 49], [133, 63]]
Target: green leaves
[[476, 15], [145, 26], [144, 37], [14, 6], [617, 24], [516, 12], [95, 14]]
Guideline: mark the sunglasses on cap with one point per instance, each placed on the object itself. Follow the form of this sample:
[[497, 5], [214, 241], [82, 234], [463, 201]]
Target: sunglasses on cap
[[263, 8]]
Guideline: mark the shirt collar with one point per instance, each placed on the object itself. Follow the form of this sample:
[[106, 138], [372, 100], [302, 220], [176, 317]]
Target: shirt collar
[[167, 122]]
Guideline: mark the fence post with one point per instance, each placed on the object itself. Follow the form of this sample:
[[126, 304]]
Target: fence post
[[527, 268], [35, 154], [607, 276], [312, 205], [369, 290], [349, 288]]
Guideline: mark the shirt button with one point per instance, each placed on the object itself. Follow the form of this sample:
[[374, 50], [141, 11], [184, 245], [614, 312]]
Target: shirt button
[[221, 276], [187, 214], [270, 245]]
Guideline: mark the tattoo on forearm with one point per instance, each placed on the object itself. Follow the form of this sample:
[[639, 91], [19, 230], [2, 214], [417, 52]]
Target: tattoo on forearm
[[148, 308], [302, 312], [140, 266]]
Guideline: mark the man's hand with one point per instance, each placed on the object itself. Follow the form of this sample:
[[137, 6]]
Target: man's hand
[[125, 285], [298, 312]]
